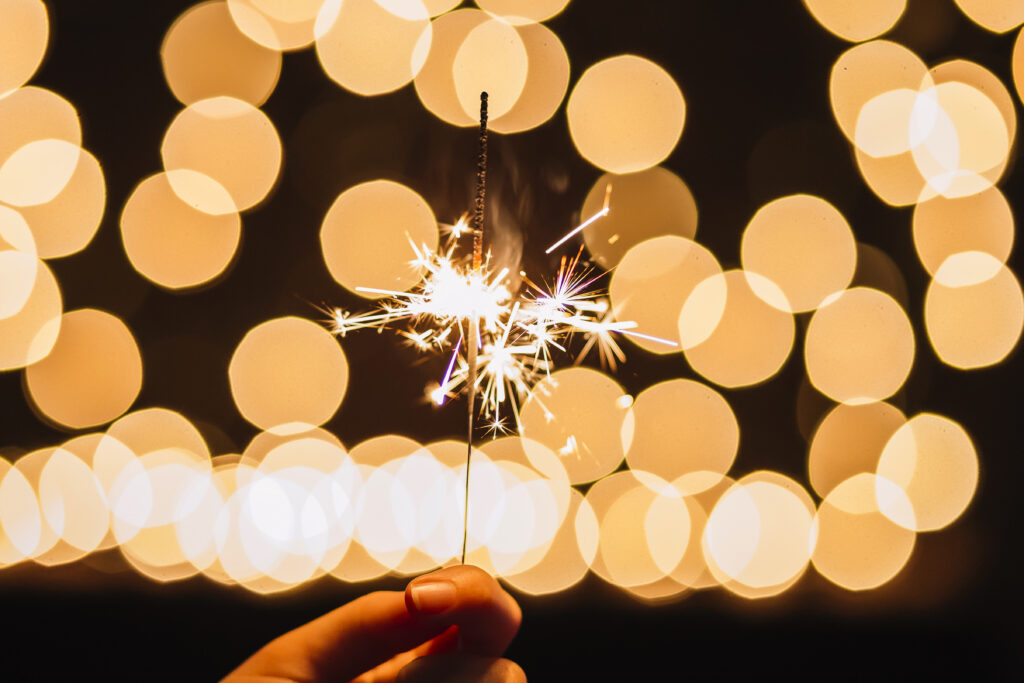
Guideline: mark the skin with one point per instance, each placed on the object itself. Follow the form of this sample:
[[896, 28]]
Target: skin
[[406, 637]]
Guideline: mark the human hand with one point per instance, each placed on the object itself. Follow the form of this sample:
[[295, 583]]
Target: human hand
[[408, 637]]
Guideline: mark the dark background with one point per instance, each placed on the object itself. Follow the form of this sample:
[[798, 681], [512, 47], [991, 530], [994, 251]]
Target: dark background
[[755, 77]]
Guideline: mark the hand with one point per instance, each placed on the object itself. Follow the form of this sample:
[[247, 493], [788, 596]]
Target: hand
[[409, 637]]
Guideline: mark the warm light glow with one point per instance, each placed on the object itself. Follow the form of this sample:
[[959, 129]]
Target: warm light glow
[[66, 224], [858, 547], [491, 59], [944, 227], [520, 11], [547, 80], [642, 206], [931, 458], [24, 34], [803, 245], [92, 375], [277, 24], [28, 336], [352, 53], [370, 234], [685, 433], [37, 172], [848, 441], [576, 413], [205, 55], [625, 114], [36, 123], [653, 281], [730, 335], [973, 311], [857, 21], [18, 262], [170, 241], [859, 347], [229, 141], [288, 374], [435, 81], [998, 16]]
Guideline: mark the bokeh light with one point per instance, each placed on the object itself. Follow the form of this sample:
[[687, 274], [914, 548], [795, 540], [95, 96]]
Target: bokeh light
[[40, 126], [37, 172], [368, 234], [973, 311], [205, 55], [18, 262], [944, 227], [24, 34], [288, 374], [625, 114], [491, 59], [859, 347], [848, 441], [578, 413], [352, 54], [170, 241], [28, 336], [858, 547], [435, 81], [802, 245], [651, 284], [998, 16], [644, 205], [730, 335], [685, 433], [67, 223], [277, 24], [229, 141], [857, 21], [92, 375], [520, 11], [547, 80]]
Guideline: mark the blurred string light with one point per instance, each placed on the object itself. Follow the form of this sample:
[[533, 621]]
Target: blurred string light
[[296, 504]]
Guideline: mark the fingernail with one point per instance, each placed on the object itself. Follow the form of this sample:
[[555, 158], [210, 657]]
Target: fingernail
[[433, 597]]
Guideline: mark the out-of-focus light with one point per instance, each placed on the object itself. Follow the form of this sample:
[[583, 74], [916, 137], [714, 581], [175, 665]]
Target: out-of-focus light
[[67, 223], [21, 522], [92, 375], [73, 502], [32, 116], [857, 21], [288, 374], [759, 534], [435, 81], [518, 11], [877, 270], [849, 441], [37, 172], [1017, 64], [228, 140], [28, 336], [651, 284], [983, 80], [685, 433], [547, 80], [24, 33], [931, 458], [973, 311], [944, 227], [352, 53], [644, 205], [205, 55], [998, 16], [439, 7], [369, 235], [170, 241], [491, 59], [803, 245], [277, 24], [625, 114], [155, 429], [866, 71], [576, 413], [858, 547], [730, 335], [859, 347], [18, 262]]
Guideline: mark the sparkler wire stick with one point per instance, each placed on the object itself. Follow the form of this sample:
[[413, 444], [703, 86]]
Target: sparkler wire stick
[[474, 333]]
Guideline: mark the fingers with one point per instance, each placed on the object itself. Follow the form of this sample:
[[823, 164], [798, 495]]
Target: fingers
[[470, 598], [344, 643], [457, 667]]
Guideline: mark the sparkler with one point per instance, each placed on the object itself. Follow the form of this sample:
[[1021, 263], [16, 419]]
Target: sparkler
[[500, 342]]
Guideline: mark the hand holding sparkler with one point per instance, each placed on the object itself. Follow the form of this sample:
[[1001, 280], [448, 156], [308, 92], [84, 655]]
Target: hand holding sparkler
[[405, 636]]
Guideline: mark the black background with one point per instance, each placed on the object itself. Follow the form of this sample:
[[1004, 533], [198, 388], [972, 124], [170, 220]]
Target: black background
[[755, 77]]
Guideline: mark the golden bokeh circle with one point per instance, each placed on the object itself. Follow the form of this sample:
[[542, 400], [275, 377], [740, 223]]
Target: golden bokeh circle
[[857, 21], [625, 114], [24, 34]]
